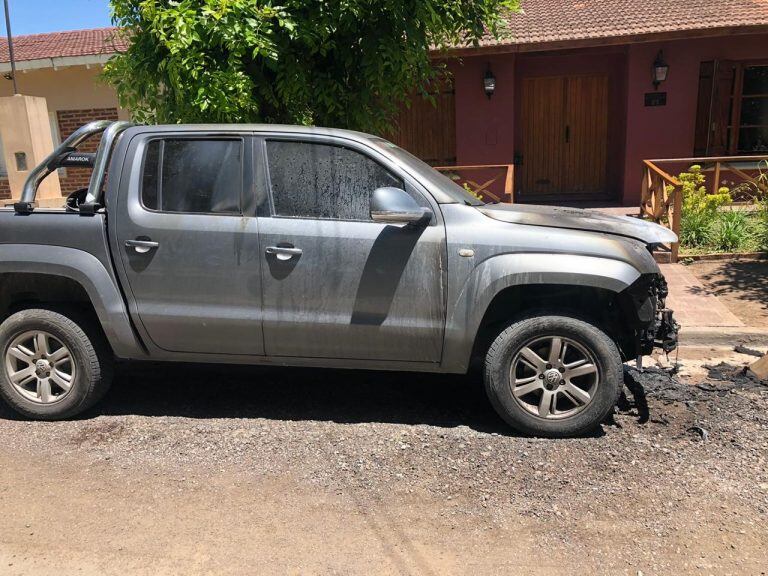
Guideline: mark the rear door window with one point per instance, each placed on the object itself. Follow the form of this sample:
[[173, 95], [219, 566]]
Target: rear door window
[[193, 175]]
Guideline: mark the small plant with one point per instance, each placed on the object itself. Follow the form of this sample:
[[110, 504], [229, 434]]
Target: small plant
[[695, 228], [761, 231], [730, 231], [468, 188], [760, 236], [695, 196], [699, 208], [753, 190]]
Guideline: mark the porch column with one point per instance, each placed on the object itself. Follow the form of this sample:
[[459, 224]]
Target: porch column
[[26, 135]]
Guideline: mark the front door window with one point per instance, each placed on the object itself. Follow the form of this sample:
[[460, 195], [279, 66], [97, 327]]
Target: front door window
[[310, 180]]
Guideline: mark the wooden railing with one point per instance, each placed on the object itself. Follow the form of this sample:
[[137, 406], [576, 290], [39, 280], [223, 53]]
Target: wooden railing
[[661, 198], [492, 182]]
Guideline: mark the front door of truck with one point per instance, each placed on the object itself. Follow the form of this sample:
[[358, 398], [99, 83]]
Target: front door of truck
[[186, 235], [335, 283]]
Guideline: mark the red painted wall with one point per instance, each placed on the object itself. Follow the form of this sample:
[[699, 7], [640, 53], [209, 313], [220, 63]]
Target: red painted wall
[[484, 127], [668, 131]]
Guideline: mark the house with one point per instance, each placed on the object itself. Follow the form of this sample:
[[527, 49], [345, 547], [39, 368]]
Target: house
[[576, 95], [574, 105], [64, 68]]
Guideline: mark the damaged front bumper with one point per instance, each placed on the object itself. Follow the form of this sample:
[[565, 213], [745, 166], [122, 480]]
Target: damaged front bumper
[[655, 325], [662, 331], [663, 334], [666, 330]]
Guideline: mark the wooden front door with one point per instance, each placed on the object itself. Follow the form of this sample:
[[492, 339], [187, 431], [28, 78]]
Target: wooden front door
[[564, 144]]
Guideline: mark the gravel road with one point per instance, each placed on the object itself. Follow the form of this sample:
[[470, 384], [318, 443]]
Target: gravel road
[[223, 470]]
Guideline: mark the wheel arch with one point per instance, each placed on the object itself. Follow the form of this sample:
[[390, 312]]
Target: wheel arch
[[506, 287], [41, 274]]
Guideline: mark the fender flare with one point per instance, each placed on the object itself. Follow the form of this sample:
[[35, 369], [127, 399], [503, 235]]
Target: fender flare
[[498, 273], [88, 272]]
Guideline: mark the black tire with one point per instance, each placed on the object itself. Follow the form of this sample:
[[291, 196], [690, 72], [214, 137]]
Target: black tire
[[507, 347], [91, 360]]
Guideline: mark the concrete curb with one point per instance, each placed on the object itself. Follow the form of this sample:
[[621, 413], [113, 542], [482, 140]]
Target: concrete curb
[[723, 336], [747, 256]]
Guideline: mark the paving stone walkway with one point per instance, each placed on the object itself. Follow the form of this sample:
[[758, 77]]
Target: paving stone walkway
[[694, 305]]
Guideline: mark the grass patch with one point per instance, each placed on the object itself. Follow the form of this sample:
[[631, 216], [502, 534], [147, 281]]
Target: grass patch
[[725, 231]]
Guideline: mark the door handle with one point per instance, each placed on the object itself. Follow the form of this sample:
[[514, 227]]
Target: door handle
[[142, 246], [284, 252]]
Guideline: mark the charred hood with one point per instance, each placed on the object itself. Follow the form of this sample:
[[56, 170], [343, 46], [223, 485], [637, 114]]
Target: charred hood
[[578, 219]]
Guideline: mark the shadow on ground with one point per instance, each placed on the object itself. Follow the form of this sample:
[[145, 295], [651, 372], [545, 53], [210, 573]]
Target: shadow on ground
[[295, 394], [345, 396], [747, 278]]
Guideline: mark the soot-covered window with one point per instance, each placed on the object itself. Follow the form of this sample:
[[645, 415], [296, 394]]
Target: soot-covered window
[[324, 181], [190, 175]]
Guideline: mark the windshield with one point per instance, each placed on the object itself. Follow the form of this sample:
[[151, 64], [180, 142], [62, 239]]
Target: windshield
[[431, 177]]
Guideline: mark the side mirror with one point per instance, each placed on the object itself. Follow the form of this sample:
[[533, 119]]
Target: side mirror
[[390, 204]]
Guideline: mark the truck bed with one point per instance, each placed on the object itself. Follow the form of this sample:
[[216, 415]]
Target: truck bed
[[57, 227]]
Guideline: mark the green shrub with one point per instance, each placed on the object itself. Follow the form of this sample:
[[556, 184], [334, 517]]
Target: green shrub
[[695, 229], [339, 63], [695, 196], [469, 189], [699, 208], [761, 231], [730, 231]]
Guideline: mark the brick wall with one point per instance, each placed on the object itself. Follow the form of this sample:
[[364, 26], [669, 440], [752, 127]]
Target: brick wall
[[69, 121], [5, 189]]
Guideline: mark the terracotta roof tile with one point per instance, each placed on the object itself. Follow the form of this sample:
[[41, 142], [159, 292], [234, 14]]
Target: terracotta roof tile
[[58, 44], [545, 21]]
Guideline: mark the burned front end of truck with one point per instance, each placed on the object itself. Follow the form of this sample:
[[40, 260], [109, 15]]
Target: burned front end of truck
[[643, 306]]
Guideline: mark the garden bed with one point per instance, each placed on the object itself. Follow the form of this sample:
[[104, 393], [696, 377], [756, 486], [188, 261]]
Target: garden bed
[[718, 222], [724, 231]]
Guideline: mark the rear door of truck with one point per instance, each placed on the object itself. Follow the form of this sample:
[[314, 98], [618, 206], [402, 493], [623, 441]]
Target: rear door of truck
[[185, 234]]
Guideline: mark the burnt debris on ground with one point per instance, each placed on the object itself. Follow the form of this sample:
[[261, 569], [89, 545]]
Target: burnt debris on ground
[[698, 409], [660, 384]]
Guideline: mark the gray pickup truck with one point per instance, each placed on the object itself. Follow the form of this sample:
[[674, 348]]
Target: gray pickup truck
[[303, 246]]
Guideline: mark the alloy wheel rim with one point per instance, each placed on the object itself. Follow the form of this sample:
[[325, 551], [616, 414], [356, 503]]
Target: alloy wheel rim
[[39, 367], [554, 377]]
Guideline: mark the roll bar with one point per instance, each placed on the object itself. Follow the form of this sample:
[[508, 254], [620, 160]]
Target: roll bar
[[57, 159]]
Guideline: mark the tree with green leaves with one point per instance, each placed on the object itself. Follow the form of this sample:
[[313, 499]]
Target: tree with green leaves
[[341, 63]]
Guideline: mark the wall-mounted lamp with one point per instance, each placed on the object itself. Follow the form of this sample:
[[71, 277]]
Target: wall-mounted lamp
[[660, 70], [489, 82]]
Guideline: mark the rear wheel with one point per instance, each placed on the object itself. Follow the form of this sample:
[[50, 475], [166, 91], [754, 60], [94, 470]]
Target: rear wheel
[[553, 376], [54, 365]]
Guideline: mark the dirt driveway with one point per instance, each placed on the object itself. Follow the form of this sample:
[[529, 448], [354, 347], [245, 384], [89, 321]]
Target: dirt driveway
[[190, 470]]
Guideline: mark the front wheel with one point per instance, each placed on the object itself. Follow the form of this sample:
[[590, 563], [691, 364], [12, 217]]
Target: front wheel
[[553, 376]]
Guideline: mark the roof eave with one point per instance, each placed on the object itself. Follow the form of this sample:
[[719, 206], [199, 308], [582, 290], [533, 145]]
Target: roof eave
[[512, 48], [57, 62]]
